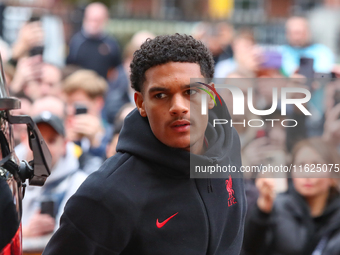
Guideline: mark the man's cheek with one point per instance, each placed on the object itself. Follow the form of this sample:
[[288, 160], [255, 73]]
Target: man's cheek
[[197, 118]]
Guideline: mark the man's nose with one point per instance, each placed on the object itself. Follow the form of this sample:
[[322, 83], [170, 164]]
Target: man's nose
[[179, 105]]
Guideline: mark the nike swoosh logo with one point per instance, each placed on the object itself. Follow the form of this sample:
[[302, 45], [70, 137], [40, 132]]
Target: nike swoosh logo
[[161, 224]]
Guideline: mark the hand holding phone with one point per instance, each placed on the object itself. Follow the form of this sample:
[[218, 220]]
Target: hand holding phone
[[80, 109], [36, 50], [47, 207], [307, 70]]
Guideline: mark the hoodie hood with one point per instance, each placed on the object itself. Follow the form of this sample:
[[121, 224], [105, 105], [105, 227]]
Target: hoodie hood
[[331, 213], [137, 138]]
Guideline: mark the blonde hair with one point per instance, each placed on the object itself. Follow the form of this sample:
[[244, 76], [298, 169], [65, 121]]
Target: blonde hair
[[86, 80]]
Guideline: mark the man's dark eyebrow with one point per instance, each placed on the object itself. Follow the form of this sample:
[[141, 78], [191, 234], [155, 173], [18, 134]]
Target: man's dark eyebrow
[[162, 89], [192, 85], [158, 89]]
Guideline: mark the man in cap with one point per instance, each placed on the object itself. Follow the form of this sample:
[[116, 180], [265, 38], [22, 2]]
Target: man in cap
[[43, 206]]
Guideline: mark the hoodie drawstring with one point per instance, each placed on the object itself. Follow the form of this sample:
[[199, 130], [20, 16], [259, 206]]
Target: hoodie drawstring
[[210, 188]]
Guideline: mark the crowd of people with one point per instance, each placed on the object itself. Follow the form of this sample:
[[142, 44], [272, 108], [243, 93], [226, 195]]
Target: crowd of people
[[80, 108], [78, 104], [287, 213]]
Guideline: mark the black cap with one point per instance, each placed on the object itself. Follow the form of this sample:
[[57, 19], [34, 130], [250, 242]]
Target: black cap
[[53, 120]]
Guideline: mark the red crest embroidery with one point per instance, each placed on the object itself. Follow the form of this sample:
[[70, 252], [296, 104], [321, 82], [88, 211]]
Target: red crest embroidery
[[229, 187]]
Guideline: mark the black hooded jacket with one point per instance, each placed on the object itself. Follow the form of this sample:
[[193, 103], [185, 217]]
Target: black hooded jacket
[[142, 200], [289, 229]]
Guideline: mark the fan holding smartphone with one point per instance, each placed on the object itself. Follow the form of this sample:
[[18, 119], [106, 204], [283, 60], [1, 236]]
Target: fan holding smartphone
[[84, 92]]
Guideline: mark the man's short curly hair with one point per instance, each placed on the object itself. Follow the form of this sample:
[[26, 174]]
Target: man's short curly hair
[[169, 48]]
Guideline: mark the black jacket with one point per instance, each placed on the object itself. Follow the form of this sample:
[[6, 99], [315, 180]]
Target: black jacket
[[289, 229], [98, 54], [142, 200]]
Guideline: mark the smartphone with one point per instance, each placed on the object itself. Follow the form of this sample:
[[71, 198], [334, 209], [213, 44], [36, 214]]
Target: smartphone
[[336, 97], [34, 18], [333, 76], [80, 109], [271, 60], [306, 69], [37, 50], [47, 207]]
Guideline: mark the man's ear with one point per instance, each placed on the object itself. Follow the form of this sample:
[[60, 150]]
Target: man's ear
[[139, 100], [99, 103], [211, 102], [64, 146]]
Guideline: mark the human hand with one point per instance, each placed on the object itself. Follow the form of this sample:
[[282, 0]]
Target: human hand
[[28, 69], [267, 194], [332, 125], [39, 225], [256, 152], [87, 125], [30, 35]]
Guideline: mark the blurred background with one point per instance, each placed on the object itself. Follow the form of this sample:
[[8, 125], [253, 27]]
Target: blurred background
[[266, 17]]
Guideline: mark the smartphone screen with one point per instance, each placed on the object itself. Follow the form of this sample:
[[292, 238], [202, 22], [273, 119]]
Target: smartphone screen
[[47, 207], [80, 109], [37, 50], [306, 69]]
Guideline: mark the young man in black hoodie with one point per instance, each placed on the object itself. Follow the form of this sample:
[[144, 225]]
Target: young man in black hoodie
[[142, 200]]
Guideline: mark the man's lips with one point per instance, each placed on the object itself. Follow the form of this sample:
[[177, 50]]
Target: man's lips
[[180, 125], [308, 185]]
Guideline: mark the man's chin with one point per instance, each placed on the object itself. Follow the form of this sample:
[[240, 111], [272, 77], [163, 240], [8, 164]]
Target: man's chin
[[184, 145], [187, 146]]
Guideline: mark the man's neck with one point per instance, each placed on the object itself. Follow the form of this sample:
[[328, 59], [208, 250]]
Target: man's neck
[[301, 46], [90, 36]]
